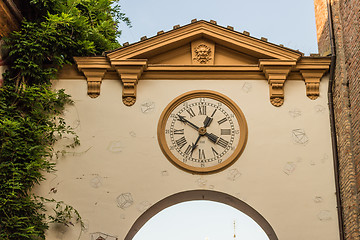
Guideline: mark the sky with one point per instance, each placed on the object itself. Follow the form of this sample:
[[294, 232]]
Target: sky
[[209, 221], [287, 22]]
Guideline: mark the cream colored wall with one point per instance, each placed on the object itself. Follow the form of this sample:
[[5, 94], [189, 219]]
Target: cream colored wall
[[287, 179]]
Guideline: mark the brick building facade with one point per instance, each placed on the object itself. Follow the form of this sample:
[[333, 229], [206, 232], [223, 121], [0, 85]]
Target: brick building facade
[[344, 27]]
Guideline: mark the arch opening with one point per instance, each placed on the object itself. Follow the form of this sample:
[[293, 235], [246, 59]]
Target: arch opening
[[209, 196]]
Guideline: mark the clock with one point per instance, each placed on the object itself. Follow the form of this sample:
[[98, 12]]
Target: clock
[[202, 131]]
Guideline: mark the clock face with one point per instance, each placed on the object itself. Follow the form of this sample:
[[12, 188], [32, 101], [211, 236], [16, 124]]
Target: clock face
[[202, 131]]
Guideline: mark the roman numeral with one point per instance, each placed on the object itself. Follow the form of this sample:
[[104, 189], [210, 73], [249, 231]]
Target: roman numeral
[[223, 143], [201, 154], [214, 152], [202, 110], [188, 150], [180, 131], [225, 131], [222, 121], [191, 112], [181, 142]]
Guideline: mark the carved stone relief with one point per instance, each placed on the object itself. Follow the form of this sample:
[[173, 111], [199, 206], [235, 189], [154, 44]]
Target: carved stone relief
[[202, 52]]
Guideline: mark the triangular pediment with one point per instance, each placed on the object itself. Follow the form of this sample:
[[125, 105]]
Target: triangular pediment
[[230, 47], [199, 51], [183, 56]]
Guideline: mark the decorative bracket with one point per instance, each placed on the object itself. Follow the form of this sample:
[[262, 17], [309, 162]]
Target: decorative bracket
[[312, 81], [94, 69], [276, 72], [129, 71]]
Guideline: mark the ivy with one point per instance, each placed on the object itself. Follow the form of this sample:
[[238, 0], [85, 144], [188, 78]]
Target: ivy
[[30, 109]]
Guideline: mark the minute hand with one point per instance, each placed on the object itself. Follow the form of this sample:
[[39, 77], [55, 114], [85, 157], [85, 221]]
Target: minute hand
[[183, 119]]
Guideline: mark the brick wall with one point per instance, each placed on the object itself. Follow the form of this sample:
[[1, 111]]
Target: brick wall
[[322, 27], [351, 36], [346, 92]]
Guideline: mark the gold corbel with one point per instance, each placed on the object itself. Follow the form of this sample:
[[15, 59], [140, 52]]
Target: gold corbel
[[276, 92], [94, 78], [276, 72], [130, 72], [94, 69], [312, 82], [129, 88]]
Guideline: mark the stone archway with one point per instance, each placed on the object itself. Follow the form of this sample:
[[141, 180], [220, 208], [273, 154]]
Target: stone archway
[[202, 195]]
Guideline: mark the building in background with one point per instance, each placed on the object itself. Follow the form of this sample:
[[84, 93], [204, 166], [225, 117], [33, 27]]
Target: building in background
[[10, 19], [337, 23], [10, 16]]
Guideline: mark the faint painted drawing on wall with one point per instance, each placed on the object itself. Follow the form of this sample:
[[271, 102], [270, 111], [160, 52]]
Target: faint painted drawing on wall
[[299, 136], [124, 200]]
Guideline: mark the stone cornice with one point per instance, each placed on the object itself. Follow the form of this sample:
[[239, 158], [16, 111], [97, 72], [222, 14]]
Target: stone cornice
[[313, 63], [276, 72]]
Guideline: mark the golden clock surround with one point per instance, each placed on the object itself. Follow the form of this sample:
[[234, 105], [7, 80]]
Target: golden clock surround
[[202, 94]]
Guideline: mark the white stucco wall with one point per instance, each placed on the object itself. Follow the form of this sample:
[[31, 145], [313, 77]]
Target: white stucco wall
[[288, 179]]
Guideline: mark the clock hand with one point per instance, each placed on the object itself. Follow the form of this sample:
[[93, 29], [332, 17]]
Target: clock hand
[[184, 120], [207, 121], [212, 137], [217, 140], [194, 145]]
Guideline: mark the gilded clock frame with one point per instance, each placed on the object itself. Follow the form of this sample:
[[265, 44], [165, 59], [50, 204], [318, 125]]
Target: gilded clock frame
[[202, 94]]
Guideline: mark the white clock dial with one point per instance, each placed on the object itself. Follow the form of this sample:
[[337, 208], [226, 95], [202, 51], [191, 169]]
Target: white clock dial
[[202, 131]]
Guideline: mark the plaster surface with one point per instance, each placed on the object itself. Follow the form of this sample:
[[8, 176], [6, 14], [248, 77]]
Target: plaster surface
[[285, 172]]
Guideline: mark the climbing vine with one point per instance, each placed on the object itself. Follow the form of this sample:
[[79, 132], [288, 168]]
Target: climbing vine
[[30, 110]]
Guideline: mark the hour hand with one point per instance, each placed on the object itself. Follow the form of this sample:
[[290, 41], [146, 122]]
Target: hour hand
[[212, 137]]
